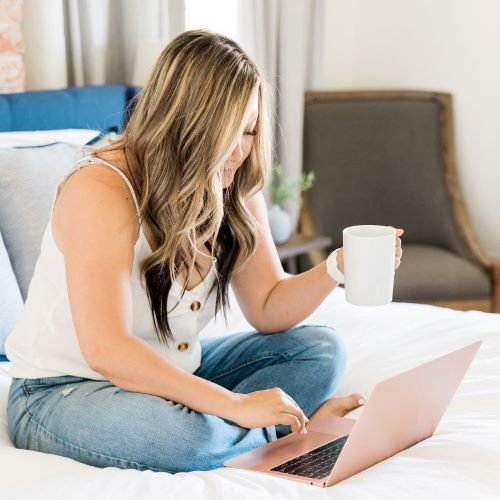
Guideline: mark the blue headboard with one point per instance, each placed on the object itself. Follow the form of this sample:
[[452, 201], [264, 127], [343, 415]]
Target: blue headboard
[[96, 107]]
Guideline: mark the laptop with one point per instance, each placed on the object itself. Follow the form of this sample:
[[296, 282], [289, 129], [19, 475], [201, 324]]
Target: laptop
[[400, 412]]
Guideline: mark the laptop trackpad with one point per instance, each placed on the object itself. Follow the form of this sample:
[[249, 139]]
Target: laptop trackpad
[[291, 445], [337, 426]]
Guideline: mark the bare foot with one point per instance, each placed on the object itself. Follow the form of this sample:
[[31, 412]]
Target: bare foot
[[337, 406]]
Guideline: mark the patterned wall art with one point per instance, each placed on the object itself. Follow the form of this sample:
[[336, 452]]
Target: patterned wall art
[[12, 71]]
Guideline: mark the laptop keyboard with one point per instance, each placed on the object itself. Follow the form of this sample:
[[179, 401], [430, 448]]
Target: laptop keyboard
[[316, 463]]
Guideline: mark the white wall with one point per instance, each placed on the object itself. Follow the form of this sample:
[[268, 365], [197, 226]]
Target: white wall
[[444, 45]]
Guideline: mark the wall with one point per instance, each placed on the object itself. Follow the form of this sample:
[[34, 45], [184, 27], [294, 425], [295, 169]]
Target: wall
[[444, 45], [11, 47]]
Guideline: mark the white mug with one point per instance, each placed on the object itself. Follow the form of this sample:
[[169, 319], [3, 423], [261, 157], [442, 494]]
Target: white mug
[[369, 260]]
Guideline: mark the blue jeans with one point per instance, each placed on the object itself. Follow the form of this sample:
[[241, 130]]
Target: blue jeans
[[97, 423]]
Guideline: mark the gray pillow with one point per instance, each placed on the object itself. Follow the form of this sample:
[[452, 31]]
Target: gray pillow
[[11, 301], [28, 178]]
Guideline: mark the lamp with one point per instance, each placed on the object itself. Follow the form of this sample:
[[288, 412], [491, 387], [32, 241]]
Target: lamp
[[146, 56]]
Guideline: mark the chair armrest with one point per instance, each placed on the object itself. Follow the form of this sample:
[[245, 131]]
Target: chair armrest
[[496, 286]]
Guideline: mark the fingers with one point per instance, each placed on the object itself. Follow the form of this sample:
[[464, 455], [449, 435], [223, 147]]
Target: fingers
[[304, 419], [399, 249], [399, 231], [292, 421], [292, 408], [399, 252], [399, 255], [292, 401]]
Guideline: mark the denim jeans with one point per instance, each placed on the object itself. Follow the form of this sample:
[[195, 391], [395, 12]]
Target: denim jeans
[[97, 423]]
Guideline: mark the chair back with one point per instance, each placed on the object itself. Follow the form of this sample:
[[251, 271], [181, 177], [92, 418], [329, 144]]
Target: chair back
[[383, 157]]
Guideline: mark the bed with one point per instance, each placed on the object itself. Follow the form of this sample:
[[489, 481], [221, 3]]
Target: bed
[[461, 459]]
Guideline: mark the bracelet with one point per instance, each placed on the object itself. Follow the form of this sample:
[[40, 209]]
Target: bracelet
[[332, 269]]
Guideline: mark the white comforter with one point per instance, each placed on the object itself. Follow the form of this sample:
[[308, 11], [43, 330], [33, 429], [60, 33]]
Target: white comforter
[[461, 460]]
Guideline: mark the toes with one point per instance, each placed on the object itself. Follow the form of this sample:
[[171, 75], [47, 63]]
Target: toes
[[357, 400]]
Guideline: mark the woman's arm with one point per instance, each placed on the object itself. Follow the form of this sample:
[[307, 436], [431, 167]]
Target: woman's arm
[[92, 228], [95, 228], [130, 363], [270, 300]]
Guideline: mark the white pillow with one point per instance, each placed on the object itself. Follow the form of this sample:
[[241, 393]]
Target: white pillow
[[31, 138], [11, 301], [28, 178]]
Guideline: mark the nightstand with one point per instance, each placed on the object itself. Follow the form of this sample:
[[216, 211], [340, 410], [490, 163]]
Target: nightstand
[[299, 244]]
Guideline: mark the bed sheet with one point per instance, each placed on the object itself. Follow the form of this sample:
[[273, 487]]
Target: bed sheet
[[461, 459]]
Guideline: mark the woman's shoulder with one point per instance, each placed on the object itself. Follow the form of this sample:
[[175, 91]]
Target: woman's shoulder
[[97, 180], [256, 204], [99, 171], [114, 156], [93, 197]]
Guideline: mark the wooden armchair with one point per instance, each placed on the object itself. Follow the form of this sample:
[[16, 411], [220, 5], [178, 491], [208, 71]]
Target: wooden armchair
[[387, 157]]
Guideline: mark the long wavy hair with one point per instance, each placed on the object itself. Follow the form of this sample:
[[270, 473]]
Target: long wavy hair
[[184, 125]]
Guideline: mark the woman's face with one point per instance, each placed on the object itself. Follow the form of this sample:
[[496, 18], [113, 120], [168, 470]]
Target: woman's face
[[245, 142]]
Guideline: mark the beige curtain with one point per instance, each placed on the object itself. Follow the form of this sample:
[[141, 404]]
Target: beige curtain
[[285, 38], [102, 35], [92, 42]]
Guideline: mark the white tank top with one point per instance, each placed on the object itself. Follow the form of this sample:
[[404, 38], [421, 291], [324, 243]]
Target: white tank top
[[44, 342]]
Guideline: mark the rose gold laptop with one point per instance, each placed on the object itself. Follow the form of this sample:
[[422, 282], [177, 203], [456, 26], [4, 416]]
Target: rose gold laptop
[[400, 412]]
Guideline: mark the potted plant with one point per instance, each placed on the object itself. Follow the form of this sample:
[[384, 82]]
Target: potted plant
[[281, 190]]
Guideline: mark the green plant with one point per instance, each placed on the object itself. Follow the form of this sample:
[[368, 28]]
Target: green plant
[[281, 189]]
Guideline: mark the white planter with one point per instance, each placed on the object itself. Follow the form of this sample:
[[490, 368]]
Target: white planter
[[280, 223]]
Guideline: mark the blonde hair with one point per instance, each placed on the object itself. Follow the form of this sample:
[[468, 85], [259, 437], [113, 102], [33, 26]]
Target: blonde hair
[[183, 127]]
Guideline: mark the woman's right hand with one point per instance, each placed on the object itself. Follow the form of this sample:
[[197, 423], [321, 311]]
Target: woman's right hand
[[268, 407]]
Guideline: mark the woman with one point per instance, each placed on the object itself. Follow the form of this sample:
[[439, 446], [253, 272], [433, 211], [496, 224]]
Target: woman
[[137, 258]]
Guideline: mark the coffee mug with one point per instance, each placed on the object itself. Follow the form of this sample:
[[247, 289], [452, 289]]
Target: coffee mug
[[369, 260]]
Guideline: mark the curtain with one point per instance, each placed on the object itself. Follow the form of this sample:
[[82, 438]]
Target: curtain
[[92, 42], [285, 39], [102, 36]]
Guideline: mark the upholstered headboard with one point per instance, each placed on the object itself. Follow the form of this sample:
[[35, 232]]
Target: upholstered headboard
[[100, 108]]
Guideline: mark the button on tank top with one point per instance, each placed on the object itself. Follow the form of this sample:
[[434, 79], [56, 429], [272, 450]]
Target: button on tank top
[[44, 341]]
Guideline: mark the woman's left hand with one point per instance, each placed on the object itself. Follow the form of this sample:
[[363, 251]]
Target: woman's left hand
[[399, 249]]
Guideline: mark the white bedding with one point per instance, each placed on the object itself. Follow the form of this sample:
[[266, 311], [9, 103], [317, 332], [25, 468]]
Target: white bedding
[[461, 460]]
